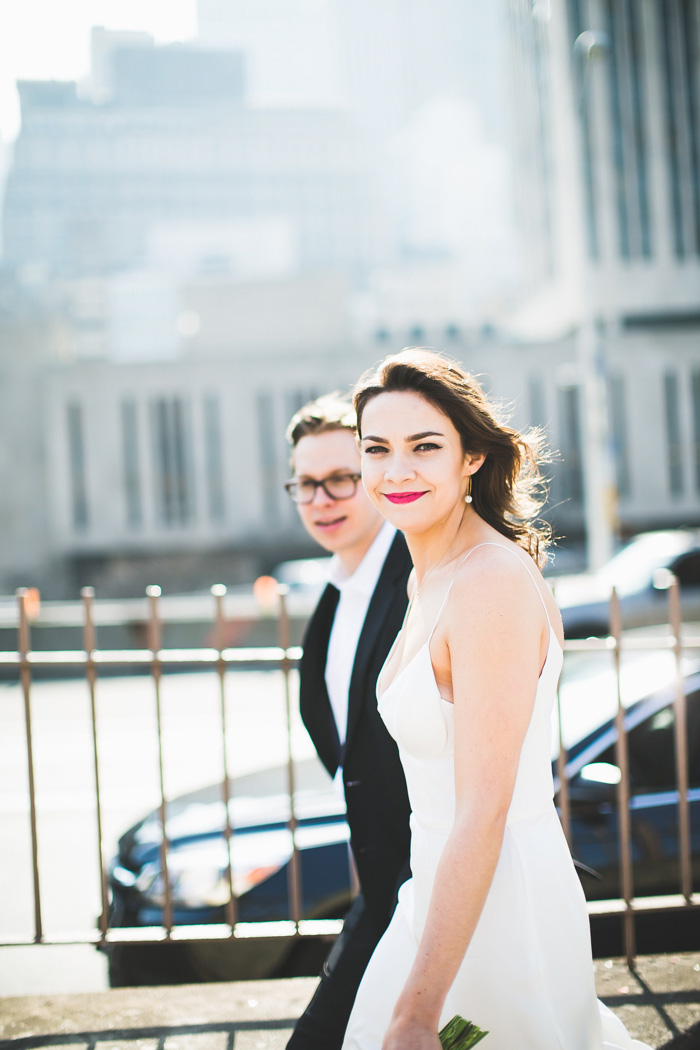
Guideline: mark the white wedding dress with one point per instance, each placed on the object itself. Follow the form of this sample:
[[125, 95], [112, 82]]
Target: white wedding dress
[[527, 975]]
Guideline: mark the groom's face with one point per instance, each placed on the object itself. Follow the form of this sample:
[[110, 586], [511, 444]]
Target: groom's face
[[346, 526]]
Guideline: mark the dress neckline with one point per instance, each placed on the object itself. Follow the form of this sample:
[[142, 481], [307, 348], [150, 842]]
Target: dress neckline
[[426, 643]]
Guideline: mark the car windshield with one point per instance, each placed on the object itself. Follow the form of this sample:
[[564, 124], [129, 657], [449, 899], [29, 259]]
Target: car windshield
[[588, 689], [652, 750], [633, 568]]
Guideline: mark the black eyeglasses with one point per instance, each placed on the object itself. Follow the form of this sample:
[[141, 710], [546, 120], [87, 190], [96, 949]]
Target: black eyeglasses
[[336, 486]]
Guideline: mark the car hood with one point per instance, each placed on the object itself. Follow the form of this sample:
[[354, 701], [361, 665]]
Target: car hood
[[189, 819]]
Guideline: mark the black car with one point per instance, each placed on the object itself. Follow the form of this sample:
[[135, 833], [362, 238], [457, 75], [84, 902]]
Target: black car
[[261, 848], [641, 574], [261, 851], [592, 775]]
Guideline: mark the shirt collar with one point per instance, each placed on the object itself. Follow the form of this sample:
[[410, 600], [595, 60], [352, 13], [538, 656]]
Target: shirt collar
[[364, 579]]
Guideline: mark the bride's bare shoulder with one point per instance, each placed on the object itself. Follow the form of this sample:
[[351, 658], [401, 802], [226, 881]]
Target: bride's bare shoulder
[[499, 574]]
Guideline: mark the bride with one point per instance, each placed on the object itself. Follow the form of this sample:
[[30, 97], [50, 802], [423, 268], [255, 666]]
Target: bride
[[493, 924]]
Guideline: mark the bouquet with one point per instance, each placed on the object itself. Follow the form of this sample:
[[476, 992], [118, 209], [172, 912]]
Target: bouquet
[[459, 1034]]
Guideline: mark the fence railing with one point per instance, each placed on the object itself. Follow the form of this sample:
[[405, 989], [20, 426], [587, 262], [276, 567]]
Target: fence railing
[[627, 905], [155, 660]]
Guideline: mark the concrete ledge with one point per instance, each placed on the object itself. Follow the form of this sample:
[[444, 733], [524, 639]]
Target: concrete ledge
[[659, 1003], [252, 1015]]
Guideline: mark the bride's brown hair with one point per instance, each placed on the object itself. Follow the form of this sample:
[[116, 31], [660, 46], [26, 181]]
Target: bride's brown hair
[[509, 489]]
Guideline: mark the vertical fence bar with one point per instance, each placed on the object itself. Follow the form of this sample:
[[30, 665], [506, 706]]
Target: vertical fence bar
[[294, 881], [26, 680], [623, 789], [219, 592], [88, 596], [154, 645], [681, 743]]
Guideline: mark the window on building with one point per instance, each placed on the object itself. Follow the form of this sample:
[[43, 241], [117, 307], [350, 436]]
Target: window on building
[[541, 53], [695, 394], [615, 29], [674, 449], [174, 478], [690, 17], [668, 25], [570, 472], [213, 457], [627, 111], [130, 451], [638, 99], [618, 433], [269, 475], [76, 456], [576, 27]]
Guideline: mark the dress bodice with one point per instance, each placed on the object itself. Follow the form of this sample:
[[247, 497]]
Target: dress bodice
[[422, 723]]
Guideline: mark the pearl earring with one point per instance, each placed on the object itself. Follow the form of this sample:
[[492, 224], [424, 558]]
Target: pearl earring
[[468, 497]]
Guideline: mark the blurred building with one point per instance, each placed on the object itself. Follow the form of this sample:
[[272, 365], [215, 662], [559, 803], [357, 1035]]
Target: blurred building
[[119, 472], [291, 47], [184, 268], [382, 61], [607, 126], [120, 475], [171, 142], [103, 45], [426, 81]]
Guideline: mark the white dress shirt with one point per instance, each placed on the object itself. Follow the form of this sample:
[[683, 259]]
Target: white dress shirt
[[355, 594]]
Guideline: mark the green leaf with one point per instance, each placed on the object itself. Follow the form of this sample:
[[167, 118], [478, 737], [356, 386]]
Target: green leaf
[[459, 1034]]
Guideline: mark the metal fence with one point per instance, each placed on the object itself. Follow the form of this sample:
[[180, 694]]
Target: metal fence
[[155, 660]]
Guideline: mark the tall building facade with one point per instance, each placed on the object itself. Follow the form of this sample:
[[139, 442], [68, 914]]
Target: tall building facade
[[607, 123], [425, 82], [607, 128], [382, 61], [174, 143], [291, 48]]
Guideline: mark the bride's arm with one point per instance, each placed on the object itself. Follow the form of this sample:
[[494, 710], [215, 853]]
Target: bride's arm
[[494, 627]]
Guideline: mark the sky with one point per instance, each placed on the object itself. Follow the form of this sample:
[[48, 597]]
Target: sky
[[50, 39]]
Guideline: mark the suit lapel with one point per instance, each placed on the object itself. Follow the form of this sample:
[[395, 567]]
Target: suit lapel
[[314, 701], [392, 576]]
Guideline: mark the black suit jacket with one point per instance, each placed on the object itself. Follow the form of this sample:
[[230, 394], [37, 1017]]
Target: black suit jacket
[[375, 789]]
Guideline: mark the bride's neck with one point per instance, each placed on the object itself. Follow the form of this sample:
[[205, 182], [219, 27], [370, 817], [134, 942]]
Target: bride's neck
[[442, 542]]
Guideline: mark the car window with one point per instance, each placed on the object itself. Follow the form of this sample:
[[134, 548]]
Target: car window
[[651, 749], [687, 569], [632, 568]]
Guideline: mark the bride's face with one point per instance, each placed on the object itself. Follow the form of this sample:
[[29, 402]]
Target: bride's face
[[413, 466]]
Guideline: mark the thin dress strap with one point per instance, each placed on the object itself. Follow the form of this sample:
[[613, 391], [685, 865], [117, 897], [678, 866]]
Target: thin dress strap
[[490, 543]]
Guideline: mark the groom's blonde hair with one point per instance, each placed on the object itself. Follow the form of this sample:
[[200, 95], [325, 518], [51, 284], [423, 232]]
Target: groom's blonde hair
[[330, 412]]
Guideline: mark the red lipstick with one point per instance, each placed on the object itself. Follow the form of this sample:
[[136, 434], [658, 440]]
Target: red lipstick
[[403, 497]]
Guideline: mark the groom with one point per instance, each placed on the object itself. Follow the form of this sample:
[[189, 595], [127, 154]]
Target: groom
[[347, 640]]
